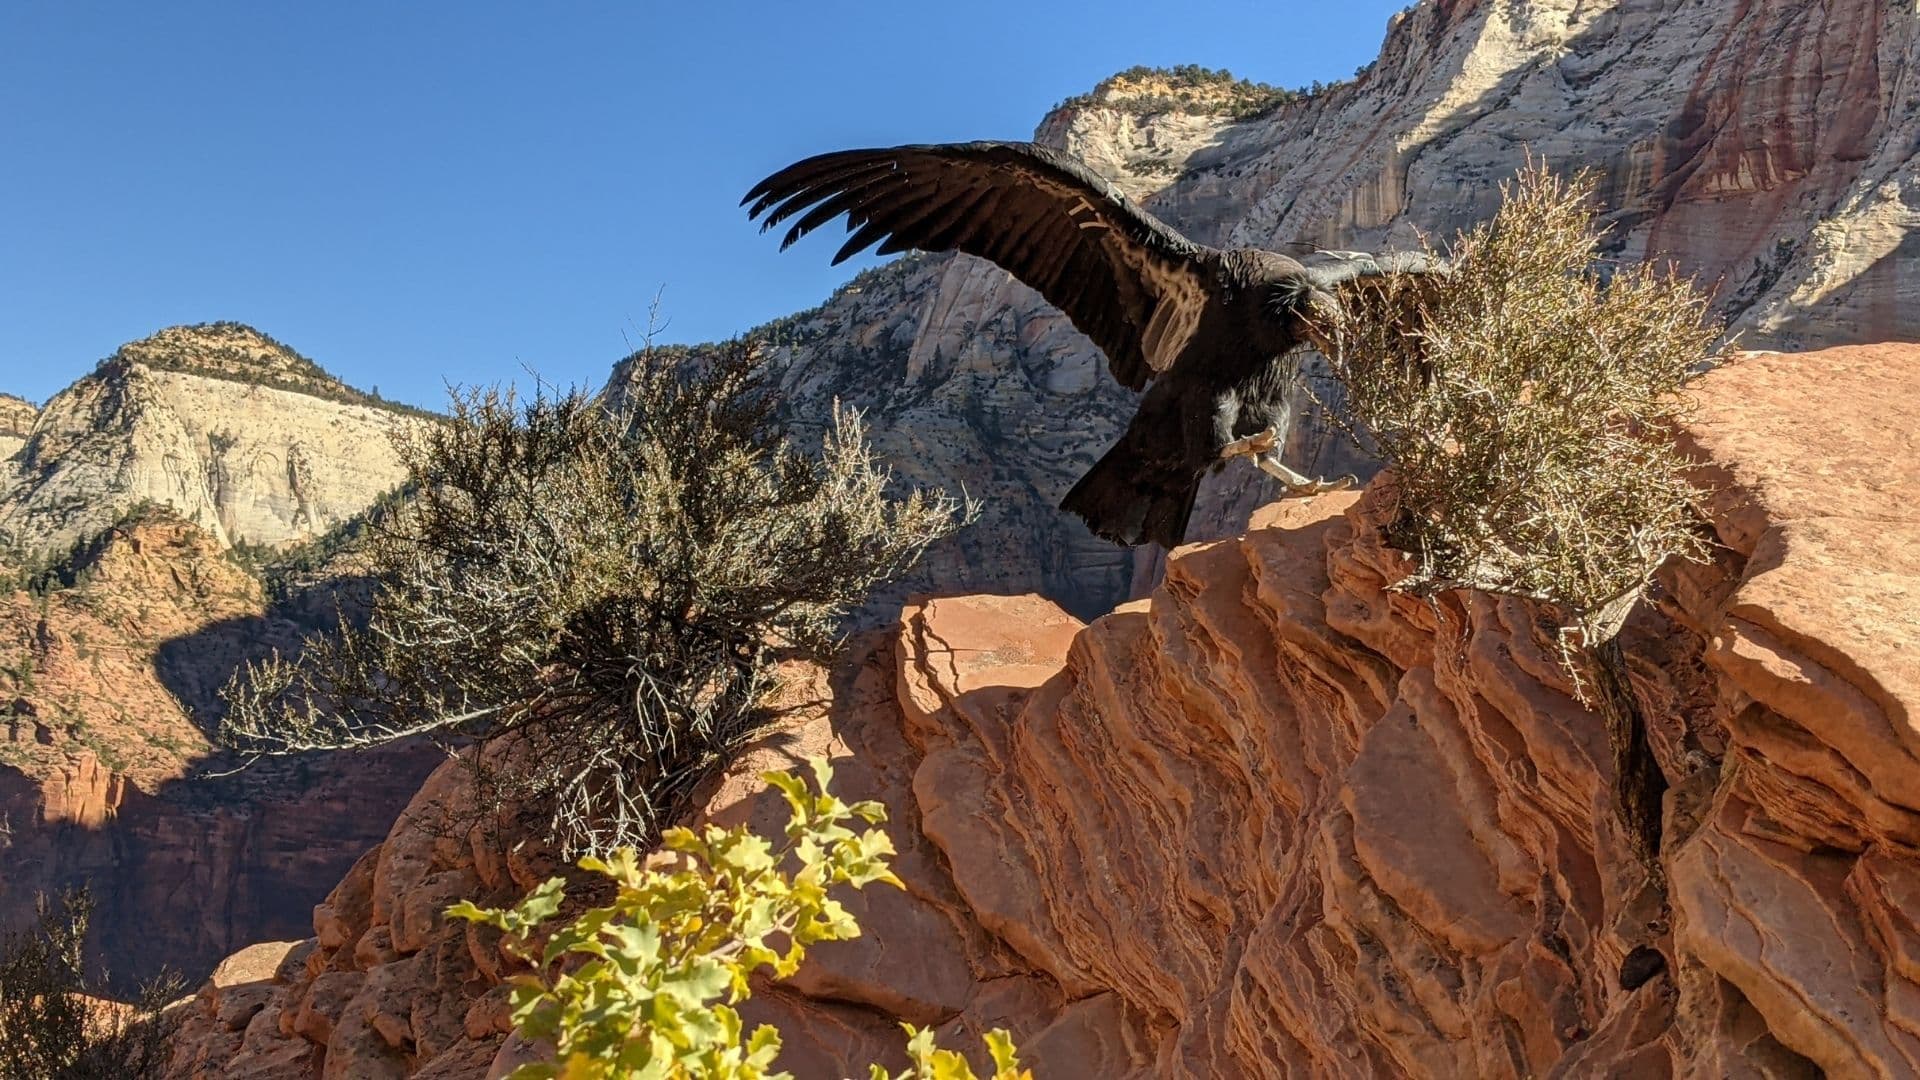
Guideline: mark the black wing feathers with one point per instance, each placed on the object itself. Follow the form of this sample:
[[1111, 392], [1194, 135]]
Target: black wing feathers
[[1039, 214]]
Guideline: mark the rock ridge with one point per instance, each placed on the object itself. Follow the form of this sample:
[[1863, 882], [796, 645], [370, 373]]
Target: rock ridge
[[16, 421], [1276, 819]]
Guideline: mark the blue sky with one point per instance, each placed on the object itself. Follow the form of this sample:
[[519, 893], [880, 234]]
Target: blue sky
[[411, 192]]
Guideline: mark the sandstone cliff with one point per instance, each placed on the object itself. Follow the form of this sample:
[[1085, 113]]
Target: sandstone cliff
[[16, 421], [239, 434], [178, 447], [1768, 147], [106, 688], [1277, 819]]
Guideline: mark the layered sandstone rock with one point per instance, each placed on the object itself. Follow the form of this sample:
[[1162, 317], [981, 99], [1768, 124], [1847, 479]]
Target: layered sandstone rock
[[16, 421], [1277, 819], [1767, 147], [108, 688], [237, 433], [140, 478]]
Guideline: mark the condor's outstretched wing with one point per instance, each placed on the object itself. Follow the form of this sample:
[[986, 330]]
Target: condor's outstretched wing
[[1129, 282], [1339, 270]]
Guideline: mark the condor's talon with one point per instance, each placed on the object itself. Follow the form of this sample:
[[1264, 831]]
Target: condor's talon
[[1338, 483], [1254, 446], [1321, 486]]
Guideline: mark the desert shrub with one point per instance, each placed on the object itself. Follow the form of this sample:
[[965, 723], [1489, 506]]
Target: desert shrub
[[52, 1026], [644, 986], [610, 589], [1526, 403], [1527, 408]]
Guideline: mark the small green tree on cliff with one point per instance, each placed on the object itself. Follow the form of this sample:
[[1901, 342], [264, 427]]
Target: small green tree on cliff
[[644, 986]]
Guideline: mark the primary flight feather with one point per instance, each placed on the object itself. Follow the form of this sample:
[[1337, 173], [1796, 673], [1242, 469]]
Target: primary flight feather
[[1215, 332]]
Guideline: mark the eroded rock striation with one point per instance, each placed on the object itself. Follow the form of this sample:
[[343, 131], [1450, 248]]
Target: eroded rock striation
[[1767, 147], [237, 433], [1279, 820]]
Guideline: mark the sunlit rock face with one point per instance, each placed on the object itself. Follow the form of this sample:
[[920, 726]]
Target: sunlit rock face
[[16, 421], [232, 430], [1768, 148], [1277, 819]]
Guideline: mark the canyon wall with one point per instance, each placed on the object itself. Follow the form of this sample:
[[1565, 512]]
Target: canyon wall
[[1277, 819], [186, 871], [16, 421], [108, 691], [1768, 147]]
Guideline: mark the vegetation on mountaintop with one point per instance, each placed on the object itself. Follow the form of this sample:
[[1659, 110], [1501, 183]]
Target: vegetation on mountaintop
[[1189, 88], [236, 352]]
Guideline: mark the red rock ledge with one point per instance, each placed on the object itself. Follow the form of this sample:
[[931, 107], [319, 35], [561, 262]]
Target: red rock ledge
[[1278, 821]]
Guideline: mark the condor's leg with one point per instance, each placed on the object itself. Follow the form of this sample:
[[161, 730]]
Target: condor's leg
[[1264, 449], [1297, 484]]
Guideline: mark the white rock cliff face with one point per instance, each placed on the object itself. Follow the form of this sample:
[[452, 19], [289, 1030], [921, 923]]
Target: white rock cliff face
[[16, 420], [236, 433], [1767, 147]]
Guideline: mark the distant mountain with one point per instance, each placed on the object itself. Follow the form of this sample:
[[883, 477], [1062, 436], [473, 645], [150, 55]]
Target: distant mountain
[[238, 433], [127, 604]]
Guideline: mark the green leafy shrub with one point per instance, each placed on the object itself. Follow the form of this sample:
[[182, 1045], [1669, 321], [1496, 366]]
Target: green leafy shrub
[[644, 986], [610, 589]]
